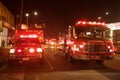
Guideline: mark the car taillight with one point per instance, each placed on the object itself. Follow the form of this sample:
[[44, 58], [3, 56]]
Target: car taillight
[[39, 50], [12, 51], [31, 50]]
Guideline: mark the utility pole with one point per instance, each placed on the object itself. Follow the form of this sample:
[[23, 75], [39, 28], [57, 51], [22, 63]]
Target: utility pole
[[21, 12]]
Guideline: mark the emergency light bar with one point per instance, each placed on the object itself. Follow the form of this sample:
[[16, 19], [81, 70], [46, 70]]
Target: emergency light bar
[[29, 36], [89, 23]]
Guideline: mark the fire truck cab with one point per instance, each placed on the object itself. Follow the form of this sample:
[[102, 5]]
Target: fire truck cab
[[27, 46], [89, 41]]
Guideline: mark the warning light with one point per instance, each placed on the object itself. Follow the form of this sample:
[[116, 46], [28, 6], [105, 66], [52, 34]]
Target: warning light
[[90, 23]]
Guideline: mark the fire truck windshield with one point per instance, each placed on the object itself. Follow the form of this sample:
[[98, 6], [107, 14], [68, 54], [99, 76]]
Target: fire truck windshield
[[92, 32]]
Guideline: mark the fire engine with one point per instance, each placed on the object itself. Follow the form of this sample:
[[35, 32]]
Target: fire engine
[[89, 40], [27, 46]]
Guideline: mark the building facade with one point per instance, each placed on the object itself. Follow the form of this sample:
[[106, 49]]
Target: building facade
[[6, 24]]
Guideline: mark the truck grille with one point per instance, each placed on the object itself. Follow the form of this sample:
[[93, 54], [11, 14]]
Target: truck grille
[[95, 48]]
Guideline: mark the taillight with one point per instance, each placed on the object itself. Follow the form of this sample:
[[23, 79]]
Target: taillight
[[39, 50], [31, 50], [12, 51], [19, 50]]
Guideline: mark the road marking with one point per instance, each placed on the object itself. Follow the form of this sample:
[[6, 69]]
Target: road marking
[[50, 65], [37, 78]]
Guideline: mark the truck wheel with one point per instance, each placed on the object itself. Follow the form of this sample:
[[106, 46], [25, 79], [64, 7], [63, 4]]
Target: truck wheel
[[100, 61]]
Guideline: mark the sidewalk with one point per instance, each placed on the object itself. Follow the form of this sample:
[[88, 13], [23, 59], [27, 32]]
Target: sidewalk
[[4, 55]]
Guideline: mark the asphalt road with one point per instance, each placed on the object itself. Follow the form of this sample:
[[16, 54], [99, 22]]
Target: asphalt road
[[56, 67]]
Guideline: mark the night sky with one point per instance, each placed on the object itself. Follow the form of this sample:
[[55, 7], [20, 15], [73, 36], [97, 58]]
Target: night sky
[[58, 14]]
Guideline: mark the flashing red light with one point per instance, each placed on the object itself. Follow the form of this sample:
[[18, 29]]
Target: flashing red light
[[19, 50], [34, 36], [89, 23], [84, 22], [29, 36]]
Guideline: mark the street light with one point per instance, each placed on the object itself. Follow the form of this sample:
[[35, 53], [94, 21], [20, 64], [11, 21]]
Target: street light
[[104, 17], [99, 18], [35, 13], [27, 17], [107, 13]]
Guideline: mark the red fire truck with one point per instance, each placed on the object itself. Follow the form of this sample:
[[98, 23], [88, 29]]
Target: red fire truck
[[89, 41], [27, 46]]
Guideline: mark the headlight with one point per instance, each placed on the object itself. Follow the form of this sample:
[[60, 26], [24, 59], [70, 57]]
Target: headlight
[[12, 51], [111, 50], [31, 50], [39, 50], [78, 47]]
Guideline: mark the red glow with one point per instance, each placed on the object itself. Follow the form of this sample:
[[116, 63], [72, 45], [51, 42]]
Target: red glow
[[19, 50], [29, 36], [84, 22]]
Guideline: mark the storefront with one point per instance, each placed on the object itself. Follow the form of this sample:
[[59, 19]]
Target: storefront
[[6, 33]]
